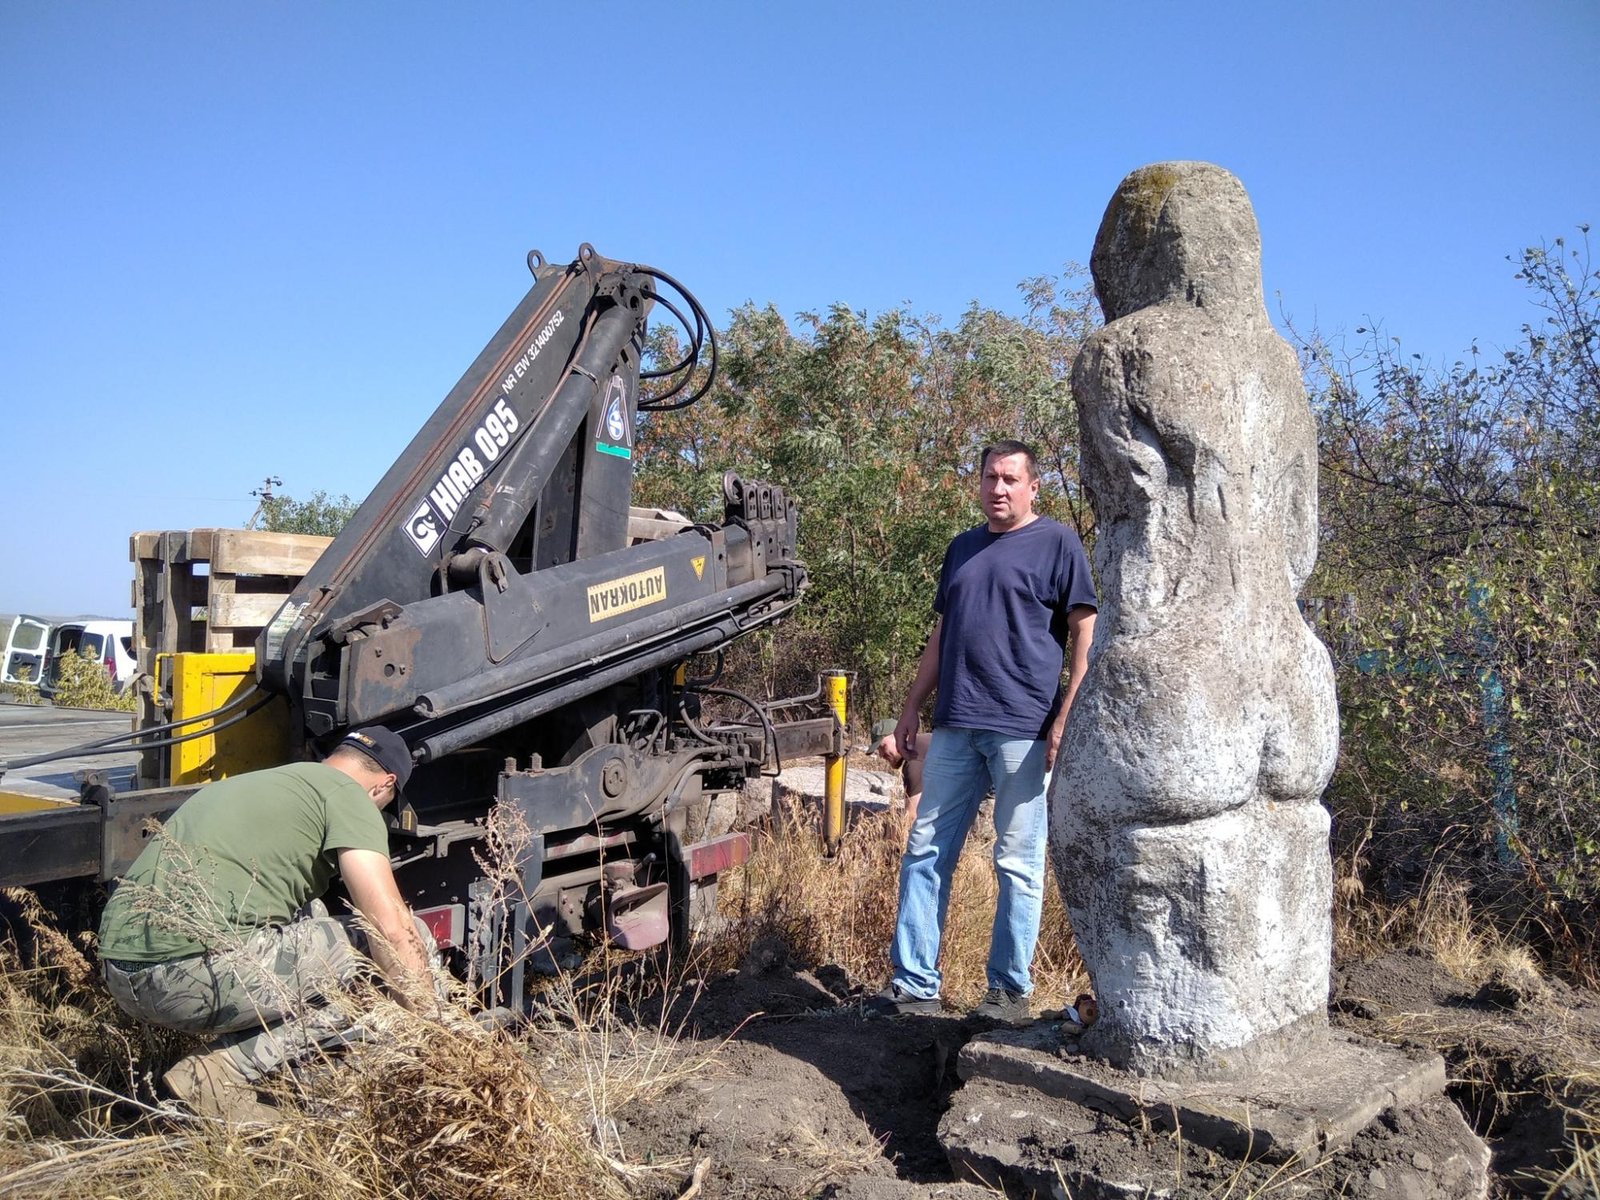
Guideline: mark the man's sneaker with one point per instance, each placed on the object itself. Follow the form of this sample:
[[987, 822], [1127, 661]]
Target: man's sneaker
[[892, 1002], [1009, 1008], [213, 1086]]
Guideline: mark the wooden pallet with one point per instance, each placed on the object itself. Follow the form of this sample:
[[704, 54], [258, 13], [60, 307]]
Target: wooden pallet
[[207, 590]]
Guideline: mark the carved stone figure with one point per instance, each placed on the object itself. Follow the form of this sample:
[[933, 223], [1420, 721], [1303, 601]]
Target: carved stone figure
[[1186, 825]]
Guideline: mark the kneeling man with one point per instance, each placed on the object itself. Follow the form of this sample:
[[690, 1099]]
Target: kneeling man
[[213, 930]]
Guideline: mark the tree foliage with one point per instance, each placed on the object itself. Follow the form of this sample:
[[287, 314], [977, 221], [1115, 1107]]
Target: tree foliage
[[320, 514], [1459, 579], [1460, 513], [875, 425]]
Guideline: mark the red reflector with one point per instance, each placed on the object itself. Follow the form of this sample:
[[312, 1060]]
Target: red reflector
[[710, 858], [447, 923]]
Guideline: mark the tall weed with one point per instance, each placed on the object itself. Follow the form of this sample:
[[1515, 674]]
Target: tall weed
[[841, 910], [82, 682]]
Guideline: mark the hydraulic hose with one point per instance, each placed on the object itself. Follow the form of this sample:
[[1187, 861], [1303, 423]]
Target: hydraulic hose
[[122, 742]]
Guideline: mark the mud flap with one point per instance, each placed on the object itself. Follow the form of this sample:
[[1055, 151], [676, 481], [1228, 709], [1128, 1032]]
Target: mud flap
[[637, 917]]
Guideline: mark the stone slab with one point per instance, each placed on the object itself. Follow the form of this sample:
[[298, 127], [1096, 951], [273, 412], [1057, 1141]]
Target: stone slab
[[809, 782], [1312, 1103], [1026, 1145]]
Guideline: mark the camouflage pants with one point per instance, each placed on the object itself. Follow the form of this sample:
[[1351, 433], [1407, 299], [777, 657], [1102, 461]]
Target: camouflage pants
[[273, 999]]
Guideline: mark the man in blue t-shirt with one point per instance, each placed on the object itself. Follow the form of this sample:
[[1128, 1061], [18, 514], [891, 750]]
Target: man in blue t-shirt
[[1014, 594]]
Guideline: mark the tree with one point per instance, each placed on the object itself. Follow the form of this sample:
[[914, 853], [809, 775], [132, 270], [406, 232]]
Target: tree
[[875, 425], [1460, 514], [320, 514]]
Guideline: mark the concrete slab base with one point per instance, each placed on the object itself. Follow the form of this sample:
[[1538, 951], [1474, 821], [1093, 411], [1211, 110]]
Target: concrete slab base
[[1317, 1101], [1346, 1117]]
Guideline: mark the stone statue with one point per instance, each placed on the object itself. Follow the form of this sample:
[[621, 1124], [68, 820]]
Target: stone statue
[[1186, 826]]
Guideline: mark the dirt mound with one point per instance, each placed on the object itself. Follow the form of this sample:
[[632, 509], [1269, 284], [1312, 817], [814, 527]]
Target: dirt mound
[[807, 1089], [1523, 1052]]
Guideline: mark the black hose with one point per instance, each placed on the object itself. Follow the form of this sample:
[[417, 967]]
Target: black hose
[[696, 685], [768, 733], [118, 740], [94, 749], [703, 332], [690, 356]]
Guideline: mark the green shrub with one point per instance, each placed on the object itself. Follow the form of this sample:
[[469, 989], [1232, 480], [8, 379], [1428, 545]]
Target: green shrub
[[1461, 552], [82, 682], [25, 690]]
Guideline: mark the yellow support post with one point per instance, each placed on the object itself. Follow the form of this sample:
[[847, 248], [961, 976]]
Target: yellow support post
[[835, 686]]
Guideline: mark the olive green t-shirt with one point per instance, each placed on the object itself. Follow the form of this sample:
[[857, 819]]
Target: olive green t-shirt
[[240, 853]]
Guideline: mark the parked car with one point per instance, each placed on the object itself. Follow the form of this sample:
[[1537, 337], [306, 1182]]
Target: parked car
[[23, 644], [111, 642]]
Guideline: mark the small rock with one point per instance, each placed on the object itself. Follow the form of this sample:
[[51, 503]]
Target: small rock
[[835, 978], [1358, 1006], [766, 956], [1510, 987], [1421, 1161]]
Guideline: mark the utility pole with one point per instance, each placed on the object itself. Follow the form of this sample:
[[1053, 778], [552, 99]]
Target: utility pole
[[263, 496]]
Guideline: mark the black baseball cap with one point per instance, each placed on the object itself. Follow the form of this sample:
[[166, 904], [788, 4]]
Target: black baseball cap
[[386, 748]]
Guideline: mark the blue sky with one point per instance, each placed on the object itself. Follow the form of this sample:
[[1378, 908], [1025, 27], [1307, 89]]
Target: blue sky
[[251, 238]]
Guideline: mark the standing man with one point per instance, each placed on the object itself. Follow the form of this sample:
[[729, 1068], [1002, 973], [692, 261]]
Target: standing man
[[1014, 594], [213, 931]]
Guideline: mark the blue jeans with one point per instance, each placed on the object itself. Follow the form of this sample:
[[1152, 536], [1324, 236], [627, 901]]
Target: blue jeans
[[961, 766]]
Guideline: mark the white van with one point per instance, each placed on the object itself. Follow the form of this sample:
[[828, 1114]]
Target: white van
[[24, 641], [109, 641]]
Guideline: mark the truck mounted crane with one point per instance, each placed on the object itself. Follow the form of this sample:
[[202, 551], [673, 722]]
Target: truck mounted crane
[[499, 603]]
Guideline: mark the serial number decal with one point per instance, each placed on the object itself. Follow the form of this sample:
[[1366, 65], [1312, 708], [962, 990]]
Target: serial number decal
[[282, 624], [531, 354], [626, 594]]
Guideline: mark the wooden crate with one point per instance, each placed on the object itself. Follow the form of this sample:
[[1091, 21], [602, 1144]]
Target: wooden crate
[[207, 590]]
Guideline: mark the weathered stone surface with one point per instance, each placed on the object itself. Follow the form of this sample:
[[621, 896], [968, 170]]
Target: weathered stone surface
[[1026, 1143], [807, 785], [1186, 828], [1317, 1100]]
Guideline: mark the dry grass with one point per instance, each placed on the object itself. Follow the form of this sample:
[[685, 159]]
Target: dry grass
[[1502, 1066], [608, 1038], [1539, 1056], [1582, 1176], [841, 910], [430, 1107], [1439, 921], [446, 1108]]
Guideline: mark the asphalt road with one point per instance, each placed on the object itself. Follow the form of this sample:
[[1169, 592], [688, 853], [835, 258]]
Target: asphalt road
[[30, 730]]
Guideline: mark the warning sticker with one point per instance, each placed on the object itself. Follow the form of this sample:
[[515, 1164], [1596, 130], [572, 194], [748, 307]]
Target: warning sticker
[[616, 436]]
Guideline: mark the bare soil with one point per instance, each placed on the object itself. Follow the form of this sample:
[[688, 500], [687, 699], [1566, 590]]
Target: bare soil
[[810, 1096]]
